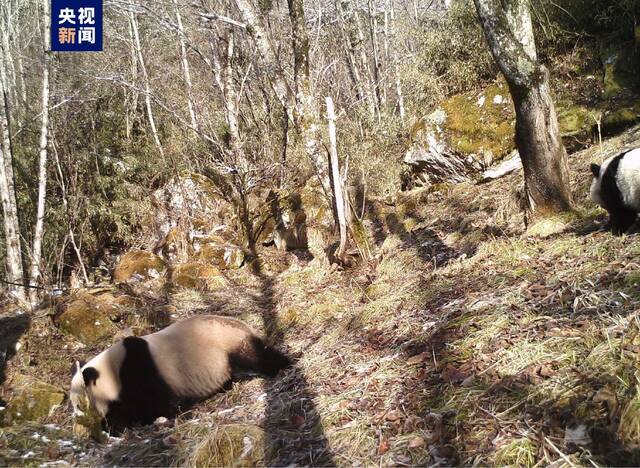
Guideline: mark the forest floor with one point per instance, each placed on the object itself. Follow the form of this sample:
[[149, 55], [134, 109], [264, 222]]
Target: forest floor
[[468, 340]]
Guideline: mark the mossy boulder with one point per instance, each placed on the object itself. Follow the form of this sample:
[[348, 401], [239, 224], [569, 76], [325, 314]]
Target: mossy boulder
[[466, 134], [621, 118], [88, 315], [221, 254], [196, 275], [33, 400], [482, 124], [138, 265]]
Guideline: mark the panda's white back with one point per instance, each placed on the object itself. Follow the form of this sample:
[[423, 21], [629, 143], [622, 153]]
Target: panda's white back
[[193, 355], [628, 179]]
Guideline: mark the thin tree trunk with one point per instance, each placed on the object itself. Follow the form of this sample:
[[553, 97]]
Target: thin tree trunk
[[352, 64], [145, 78], [131, 99], [186, 71], [377, 66], [364, 59], [260, 37], [509, 33], [36, 251], [65, 203], [394, 60], [14, 270], [336, 181]]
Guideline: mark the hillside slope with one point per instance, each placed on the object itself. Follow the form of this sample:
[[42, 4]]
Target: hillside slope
[[464, 342]]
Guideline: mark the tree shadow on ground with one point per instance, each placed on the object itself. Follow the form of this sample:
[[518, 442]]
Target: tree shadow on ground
[[294, 430], [11, 329]]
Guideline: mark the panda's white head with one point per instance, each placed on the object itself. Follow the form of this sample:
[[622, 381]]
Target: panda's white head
[[596, 184], [84, 392], [95, 385]]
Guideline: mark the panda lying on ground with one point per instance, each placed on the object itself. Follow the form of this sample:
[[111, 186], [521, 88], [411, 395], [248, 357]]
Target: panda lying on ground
[[142, 378], [616, 188]]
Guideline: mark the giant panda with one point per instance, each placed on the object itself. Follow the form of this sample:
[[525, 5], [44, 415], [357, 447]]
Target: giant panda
[[140, 379], [616, 188]]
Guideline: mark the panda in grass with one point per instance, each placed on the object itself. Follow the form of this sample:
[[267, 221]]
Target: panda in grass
[[142, 378], [616, 188]]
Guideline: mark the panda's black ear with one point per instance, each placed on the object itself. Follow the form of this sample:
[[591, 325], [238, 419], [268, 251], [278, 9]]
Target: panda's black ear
[[595, 170], [90, 375]]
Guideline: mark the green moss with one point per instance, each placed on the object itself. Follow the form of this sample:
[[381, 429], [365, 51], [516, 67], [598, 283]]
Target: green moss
[[138, 262], [33, 400], [620, 70], [621, 118], [87, 317], [478, 129], [574, 120], [197, 275]]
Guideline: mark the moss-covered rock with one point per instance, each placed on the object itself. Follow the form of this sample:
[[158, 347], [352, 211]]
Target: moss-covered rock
[[481, 124], [224, 256], [574, 120], [197, 275], [138, 265], [621, 70], [33, 400], [88, 315], [621, 118], [466, 134]]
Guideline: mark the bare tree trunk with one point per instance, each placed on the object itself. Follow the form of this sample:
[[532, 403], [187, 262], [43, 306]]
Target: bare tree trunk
[[306, 110], [337, 181], [131, 97], [186, 71], [145, 77], [10, 69], [364, 59], [396, 71], [509, 33], [65, 203], [260, 37], [352, 63], [14, 270], [36, 251], [377, 66]]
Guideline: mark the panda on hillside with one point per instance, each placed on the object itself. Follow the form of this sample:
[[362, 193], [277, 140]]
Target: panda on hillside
[[616, 188], [140, 379]]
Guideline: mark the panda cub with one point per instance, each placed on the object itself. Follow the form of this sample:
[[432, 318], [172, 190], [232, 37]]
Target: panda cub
[[140, 379], [616, 188]]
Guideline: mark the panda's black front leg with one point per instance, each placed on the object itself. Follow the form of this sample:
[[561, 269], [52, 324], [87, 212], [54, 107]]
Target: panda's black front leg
[[621, 220]]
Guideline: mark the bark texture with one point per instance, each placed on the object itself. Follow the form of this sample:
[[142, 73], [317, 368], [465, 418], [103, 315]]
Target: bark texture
[[36, 252], [508, 29], [14, 270]]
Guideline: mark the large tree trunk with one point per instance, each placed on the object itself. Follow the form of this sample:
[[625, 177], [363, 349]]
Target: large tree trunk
[[509, 32], [36, 252], [14, 270], [306, 110]]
